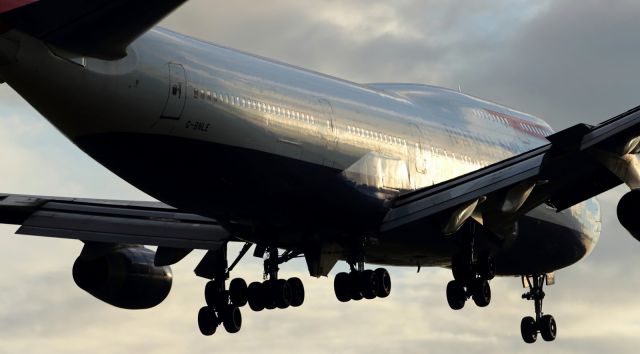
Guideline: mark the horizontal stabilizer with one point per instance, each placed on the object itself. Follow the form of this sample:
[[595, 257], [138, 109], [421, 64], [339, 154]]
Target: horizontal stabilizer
[[97, 28]]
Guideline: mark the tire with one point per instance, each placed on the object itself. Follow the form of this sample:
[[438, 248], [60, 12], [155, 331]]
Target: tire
[[214, 296], [297, 291], [254, 294], [354, 286], [207, 321], [384, 282], [462, 268], [481, 292], [486, 266], [528, 330], [369, 284], [456, 296], [267, 295], [281, 293], [232, 319], [342, 287], [548, 328], [238, 292]]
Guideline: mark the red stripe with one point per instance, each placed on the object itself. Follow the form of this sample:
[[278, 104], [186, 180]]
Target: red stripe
[[8, 5]]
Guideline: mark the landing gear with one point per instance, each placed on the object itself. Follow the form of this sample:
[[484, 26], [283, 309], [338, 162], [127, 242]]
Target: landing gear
[[543, 324], [223, 305], [359, 284], [276, 293], [471, 280]]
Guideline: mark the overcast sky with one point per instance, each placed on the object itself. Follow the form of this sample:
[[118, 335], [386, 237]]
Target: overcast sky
[[565, 61]]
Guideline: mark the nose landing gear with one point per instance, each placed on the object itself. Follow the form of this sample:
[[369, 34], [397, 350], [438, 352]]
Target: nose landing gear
[[543, 324]]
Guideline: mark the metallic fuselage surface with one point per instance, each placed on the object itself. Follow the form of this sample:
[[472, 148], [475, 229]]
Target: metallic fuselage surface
[[238, 137]]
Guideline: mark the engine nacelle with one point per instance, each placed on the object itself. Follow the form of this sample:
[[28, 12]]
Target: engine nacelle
[[122, 276], [629, 212]]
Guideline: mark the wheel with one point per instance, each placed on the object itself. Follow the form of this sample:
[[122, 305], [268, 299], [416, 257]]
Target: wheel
[[486, 266], [214, 295], [462, 268], [548, 328], [354, 286], [232, 319], [528, 329], [207, 321], [297, 291], [456, 296], [281, 293], [384, 282], [342, 287], [238, 292], [267, 295], [369, 284], [481, 292], [254, 294]]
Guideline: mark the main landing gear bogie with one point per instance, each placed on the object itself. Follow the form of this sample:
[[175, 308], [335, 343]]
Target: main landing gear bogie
[[471, 280], [278, 293], [223, 305], [367, 284]]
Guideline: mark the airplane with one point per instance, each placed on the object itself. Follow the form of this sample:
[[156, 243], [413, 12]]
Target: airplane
[[293, 163]]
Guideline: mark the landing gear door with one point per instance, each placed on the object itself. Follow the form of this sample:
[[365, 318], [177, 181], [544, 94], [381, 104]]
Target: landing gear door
[[177, 92]]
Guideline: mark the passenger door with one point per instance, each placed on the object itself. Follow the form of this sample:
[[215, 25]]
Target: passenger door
[[177, 92]]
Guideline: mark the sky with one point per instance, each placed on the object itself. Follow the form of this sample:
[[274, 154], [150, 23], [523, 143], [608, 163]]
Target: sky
[[564, 61]]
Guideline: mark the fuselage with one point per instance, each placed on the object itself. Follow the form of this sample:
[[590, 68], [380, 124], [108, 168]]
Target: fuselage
[[312, 158]]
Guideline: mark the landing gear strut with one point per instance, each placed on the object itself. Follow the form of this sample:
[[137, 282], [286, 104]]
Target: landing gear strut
[[543, 324], [471, 280]]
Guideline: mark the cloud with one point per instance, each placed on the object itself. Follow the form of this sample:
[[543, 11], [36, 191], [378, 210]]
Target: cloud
[[568, 61]]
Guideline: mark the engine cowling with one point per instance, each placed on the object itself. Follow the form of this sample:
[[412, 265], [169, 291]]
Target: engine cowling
[[628, 212], [122, 276]]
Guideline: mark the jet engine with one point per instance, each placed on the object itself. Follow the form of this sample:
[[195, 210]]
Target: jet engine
[[122, 276], [628, 212]]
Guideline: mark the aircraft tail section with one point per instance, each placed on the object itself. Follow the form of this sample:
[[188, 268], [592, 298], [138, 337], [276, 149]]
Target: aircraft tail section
[[95, 28]]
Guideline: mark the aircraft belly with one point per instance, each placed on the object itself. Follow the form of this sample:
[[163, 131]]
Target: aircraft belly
[[219, 180], [541, 246]]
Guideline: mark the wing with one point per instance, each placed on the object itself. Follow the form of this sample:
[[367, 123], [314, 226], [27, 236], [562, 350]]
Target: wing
[[578, 163], [112, 221], [98, 28]]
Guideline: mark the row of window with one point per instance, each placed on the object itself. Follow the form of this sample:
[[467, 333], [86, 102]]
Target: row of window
[[534, 129], [255, 105], [506, 120], [490, 116], [369, 134]]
